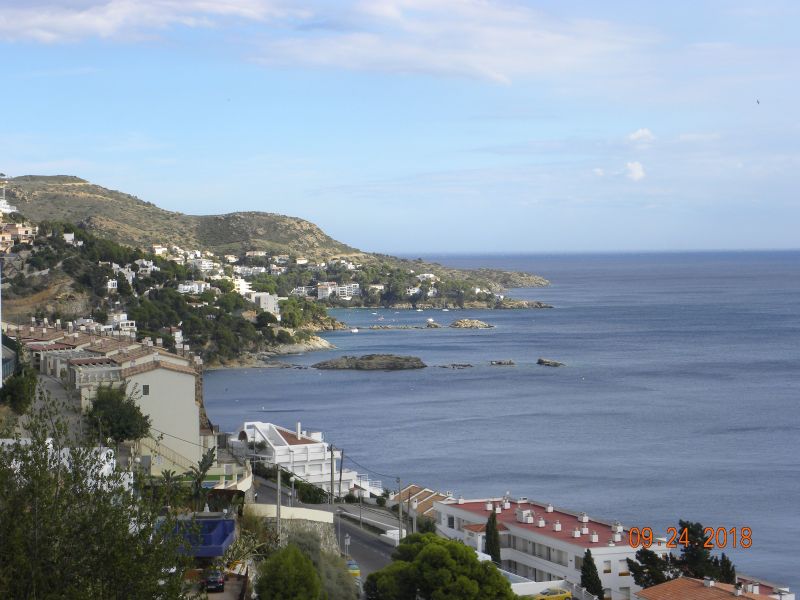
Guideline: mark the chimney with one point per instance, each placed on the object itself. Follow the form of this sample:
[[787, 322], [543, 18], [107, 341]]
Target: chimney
[[737, 591], [708, 582], [595, 538], [506, 504], [576, 533], [583, 517], [549, 508], [756, 587], [498, 509], [617, 537], [557, 526], [540, 522], [298, 430], [489, 506], [461, 499], [585, 529], [616, 527]]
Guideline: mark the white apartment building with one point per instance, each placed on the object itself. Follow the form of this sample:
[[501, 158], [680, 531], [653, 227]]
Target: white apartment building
[[326, 289], [241, 286], [265, 301], [348, 290], [305, 454], [193, 287], [204, 264], [543, 543]]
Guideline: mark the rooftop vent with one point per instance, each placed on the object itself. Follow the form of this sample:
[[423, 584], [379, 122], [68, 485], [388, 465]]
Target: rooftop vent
[[576, 533], [549, 508], [498, 509], [489, 506], [506, 504], [540, 522], [617, 537], [461, 499], [524, 516], [522, 500], [708, 582], [616, 527], [583, 517], [557, 526], [595, 538], [585, 529]]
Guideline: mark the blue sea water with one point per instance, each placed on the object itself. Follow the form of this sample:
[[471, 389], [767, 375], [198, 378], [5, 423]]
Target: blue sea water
[[679, 398]]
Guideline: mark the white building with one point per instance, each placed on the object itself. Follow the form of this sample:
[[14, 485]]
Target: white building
[[348, 290], [253, 253], [159, 250], [193, 287], [543, 543], [265, 301], [241, 286], [121, 322], [203, 264], [146, 267], [111, 284], [326, 289]]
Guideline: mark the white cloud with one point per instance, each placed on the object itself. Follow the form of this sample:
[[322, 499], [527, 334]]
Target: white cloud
[[599, 172], [498, 40], [642, 136], [635, 171]]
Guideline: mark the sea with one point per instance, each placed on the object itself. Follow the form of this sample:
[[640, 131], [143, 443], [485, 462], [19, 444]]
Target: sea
[[679, 398]]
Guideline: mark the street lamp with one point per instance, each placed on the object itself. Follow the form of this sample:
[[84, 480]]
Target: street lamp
[[346, 544], [339, 529], [291, 498]]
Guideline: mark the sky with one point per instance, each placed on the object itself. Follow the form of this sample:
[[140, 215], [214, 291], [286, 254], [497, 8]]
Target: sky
[[413, 126]]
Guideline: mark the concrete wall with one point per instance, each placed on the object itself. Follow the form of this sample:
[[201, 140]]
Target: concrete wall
[[172, 409]]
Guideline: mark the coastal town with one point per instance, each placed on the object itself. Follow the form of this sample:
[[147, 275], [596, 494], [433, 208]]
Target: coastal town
[[286, 477]]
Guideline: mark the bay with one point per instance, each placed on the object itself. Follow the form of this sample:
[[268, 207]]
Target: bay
[[679, 398]]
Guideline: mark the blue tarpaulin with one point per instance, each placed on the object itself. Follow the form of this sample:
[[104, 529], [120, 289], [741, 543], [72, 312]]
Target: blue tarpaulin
[[210, 538]]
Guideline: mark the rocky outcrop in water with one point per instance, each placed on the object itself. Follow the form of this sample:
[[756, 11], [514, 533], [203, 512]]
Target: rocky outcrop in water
[[502, 363], [508, 303], [546, 362], [372, 362], [470, 324]]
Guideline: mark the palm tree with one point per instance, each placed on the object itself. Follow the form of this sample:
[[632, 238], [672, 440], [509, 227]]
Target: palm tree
[[169, 479], [198, 474]]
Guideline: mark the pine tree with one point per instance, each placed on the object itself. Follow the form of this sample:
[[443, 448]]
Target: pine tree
[[590, 580], [493, 538], [726, 572]]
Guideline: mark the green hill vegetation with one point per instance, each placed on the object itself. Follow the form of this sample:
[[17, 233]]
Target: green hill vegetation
[[133, 222]]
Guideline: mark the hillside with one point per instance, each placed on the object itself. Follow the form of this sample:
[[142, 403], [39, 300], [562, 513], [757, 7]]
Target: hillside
[[128, 220], [134, 222]]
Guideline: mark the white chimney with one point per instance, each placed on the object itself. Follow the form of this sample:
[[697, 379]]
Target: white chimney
[[298, 430], [617, 537], [576, 533], [557, 526], [583, 517], [540, 522], [498, 509], [737, 591], [549, 508], [708, 582], [506, 505], [585, 529], [595, 538], [489, 506], [756, 587], [461, 499], [616, 527]]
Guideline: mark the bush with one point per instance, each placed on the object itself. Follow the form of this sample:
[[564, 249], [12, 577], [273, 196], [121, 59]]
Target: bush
[[19, 390], [381, 501], [350, 498], [288, 575], [284, 337]]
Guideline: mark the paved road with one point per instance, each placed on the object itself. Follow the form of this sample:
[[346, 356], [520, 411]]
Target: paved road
[[367, 549]]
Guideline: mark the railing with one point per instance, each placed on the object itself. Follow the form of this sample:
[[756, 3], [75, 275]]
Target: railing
[[159, 449]]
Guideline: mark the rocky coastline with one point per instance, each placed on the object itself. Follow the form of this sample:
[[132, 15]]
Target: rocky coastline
[[372, 362]]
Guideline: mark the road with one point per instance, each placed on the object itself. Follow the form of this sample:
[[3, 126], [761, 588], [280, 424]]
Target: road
[[366, 548]]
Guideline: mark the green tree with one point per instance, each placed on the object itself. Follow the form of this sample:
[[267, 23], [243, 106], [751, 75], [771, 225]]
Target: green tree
[[288, 575], [431, 567], [337, 583], [493, 538], [198, 475], [114, 414], [66, 523], [650, 569], [726, 572], [590, 580], [19, 390]]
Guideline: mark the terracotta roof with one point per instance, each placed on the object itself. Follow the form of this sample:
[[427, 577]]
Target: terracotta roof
[[126, 355], [152, 366], [407, 492], [481, 527], [686, 588], [291, 437], [568, 520], [47, 347]]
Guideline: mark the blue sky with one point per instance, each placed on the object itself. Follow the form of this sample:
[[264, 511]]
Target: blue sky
[[424, 125]]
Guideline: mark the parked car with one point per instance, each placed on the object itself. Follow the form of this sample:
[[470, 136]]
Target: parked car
[[214, 581]]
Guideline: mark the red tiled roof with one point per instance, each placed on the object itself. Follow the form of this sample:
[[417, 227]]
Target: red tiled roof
[[291, 438], [46, 347], [686, 588], [90, 361], [481, 527], [151, 366], [568, 522]]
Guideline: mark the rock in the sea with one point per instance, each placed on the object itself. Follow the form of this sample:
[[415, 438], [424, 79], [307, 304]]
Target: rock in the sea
[[470, 324], [456, 366], [503, 363], [432, 325], [549, 363], [514, 303], [372, 362]]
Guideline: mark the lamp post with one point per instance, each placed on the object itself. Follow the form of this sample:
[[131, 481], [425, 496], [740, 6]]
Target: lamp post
[[347, 544], [291, 498], [339, 528]]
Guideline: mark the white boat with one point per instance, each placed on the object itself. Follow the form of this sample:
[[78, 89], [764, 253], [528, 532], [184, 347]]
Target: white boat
[[419, 310], [445, 310], [430, 320], [354, 330]]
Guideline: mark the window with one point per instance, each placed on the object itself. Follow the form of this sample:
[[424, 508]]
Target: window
[[623, 568], [607, 594], [145, 390], [625, 593], [451, 521], [606, 566], [578, 563]]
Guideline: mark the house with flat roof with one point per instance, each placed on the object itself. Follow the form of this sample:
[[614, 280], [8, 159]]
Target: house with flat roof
[[688, 588], [541, 542]]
